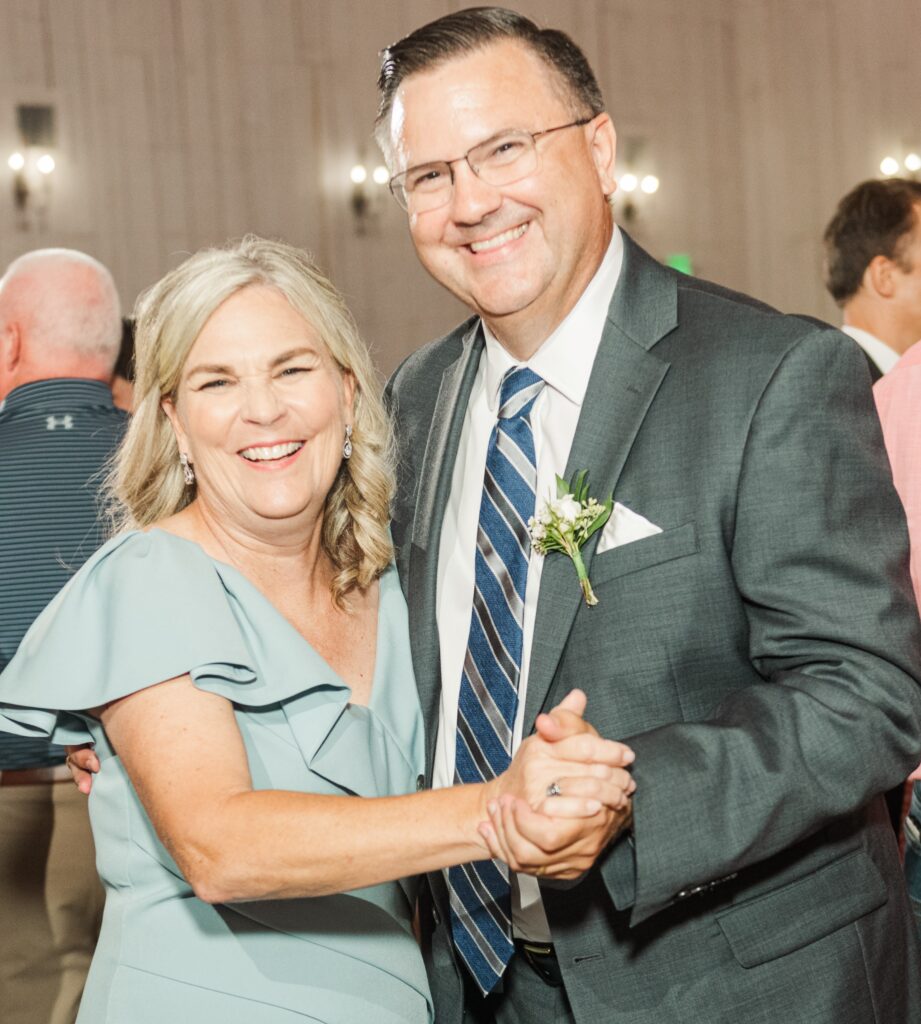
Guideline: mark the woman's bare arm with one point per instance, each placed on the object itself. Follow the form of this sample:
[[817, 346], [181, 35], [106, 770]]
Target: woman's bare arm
[[185, 756]]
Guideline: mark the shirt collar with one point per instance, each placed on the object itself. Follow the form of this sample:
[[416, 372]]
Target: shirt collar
[[566, 358], [41, 394], [881, 354]]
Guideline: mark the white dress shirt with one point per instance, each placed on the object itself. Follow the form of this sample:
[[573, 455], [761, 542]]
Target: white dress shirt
[[881, 354], [565, 362]]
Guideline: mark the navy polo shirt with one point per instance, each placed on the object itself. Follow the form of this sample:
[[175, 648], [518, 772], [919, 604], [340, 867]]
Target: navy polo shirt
[[56, 437]]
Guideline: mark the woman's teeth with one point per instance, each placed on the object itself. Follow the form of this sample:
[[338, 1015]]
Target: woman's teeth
[[275, 451]]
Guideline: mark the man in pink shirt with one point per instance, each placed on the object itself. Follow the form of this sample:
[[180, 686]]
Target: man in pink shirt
[[898, 399]]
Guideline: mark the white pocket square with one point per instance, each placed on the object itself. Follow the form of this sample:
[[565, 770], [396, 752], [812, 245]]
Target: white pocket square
[[624, 527]]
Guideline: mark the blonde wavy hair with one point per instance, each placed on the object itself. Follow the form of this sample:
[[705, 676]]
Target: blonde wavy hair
[[146, 482]]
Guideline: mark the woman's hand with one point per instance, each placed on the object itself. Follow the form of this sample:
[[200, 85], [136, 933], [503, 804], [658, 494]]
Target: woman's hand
[[574, 796], [566, 768], [83, 764]]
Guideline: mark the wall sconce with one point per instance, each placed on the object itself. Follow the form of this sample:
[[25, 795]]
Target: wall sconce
[[367, 196], [33, 166], [908, 167], [629, 184]]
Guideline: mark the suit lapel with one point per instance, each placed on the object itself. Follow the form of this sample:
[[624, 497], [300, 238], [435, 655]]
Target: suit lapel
[[434, 491], [623, 383]]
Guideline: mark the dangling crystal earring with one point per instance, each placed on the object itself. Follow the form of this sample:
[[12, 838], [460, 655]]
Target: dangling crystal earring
[[187, 472], [347, 446]]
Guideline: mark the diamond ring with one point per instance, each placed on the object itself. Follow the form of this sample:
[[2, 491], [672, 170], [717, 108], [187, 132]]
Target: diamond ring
[[554, 789]]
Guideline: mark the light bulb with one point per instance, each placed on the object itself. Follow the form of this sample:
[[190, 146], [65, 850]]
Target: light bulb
[[45, 163], [381, 175], [358, 174], [17, 161], [650, 184], [628, 183], [889, 166], [913, 162]]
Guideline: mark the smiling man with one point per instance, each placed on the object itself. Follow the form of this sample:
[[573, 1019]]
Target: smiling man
[[754, 641]]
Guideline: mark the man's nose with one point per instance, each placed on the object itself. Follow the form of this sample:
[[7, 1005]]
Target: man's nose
[[472, 198]]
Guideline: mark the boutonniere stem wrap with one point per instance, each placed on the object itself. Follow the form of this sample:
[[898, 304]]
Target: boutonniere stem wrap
[[566, 522]]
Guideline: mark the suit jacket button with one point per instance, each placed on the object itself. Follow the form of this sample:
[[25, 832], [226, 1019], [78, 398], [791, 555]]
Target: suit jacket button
[[420, 782]]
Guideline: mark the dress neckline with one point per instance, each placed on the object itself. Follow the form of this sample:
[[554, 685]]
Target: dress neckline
[[384, 586]]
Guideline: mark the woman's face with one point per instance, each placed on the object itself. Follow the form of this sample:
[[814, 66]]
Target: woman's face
[[261, 410]]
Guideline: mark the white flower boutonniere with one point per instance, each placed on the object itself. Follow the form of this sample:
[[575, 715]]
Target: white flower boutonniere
[[566, 523]]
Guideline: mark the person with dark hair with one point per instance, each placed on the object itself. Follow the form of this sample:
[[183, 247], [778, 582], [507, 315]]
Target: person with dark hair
[[873, 267], [123, 373], [740, 620]]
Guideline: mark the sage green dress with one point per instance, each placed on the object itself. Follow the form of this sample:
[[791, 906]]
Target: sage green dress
[[151, 606]]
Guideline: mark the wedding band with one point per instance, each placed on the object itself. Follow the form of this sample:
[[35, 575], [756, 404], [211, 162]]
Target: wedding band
[[539, 872], [554, 789]]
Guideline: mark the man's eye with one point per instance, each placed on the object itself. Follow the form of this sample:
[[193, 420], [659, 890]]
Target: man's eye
[[426, 178], [504, 150]]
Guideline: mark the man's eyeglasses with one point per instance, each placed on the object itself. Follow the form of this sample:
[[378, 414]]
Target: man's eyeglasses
[[502, 160]]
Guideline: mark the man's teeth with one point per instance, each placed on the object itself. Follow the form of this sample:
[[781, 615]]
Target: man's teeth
[[497, 240], [276, 451]]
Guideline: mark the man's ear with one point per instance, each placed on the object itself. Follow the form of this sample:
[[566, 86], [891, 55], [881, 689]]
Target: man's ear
[[10, 347], [603, 143], [879, 276]]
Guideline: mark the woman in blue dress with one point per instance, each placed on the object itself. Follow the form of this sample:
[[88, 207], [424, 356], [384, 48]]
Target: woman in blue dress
[[238, 654]]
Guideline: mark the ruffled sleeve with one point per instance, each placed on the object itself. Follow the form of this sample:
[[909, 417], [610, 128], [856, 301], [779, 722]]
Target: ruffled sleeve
[[145, 608]]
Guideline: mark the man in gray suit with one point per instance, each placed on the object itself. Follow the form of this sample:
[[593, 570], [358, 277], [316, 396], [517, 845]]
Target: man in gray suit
[[755, 641]]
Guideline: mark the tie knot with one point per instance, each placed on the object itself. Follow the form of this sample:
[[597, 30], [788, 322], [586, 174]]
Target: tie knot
[[519, 391]]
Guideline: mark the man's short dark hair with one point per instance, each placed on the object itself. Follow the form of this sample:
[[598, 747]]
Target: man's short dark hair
[[471, 30], [873, 219]]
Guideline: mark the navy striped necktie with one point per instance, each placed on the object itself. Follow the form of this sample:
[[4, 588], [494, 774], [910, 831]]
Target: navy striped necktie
[[480, 892]]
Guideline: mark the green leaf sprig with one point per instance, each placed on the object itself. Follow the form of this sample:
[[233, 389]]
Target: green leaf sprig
[[566, 522]]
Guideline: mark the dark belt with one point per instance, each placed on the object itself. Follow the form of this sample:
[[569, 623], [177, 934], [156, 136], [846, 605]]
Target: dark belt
[[35, 776], [542, 958]]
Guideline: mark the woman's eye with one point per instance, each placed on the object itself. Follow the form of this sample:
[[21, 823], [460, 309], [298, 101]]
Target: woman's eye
[[290, 371], [214, 385]]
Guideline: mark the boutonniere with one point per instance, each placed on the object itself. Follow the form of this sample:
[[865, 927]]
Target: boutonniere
[[566, 523]]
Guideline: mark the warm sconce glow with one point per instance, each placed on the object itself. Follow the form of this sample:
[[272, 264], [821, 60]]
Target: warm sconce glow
[[913, 162], [889, 166], [650, 184], [45, 163], [628, 183], [381, 175], [16, 162], [358, 174]]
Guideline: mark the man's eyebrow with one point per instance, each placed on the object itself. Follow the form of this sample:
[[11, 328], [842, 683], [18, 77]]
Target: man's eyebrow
[[304, 350]]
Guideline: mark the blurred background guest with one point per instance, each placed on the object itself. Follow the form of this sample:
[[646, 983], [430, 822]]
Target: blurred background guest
[[873, 253], [59, 336], [123, 374], [898, 399]]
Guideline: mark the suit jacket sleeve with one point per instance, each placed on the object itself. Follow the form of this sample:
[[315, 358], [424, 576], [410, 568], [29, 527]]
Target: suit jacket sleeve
[[819, 558]]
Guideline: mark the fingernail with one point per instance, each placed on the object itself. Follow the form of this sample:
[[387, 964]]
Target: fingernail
[[492, 806], [629, 757]]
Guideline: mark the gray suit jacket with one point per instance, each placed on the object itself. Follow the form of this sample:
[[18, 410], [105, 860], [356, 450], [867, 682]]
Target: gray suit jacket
[[761, 656]]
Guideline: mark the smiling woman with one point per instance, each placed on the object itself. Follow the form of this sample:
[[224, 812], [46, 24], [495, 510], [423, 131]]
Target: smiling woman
[[245, 677]]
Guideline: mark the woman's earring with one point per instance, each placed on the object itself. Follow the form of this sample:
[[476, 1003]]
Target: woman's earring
[[347, 446], [187, 471]]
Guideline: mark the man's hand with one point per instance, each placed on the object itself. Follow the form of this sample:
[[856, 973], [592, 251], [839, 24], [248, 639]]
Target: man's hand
[[83, 764], [557, 847], [582, 769]]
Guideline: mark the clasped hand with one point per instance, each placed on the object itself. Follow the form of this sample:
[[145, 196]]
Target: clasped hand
[[559, 836]]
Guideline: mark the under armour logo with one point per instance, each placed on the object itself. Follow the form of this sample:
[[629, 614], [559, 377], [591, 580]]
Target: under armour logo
[[53, 422]]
